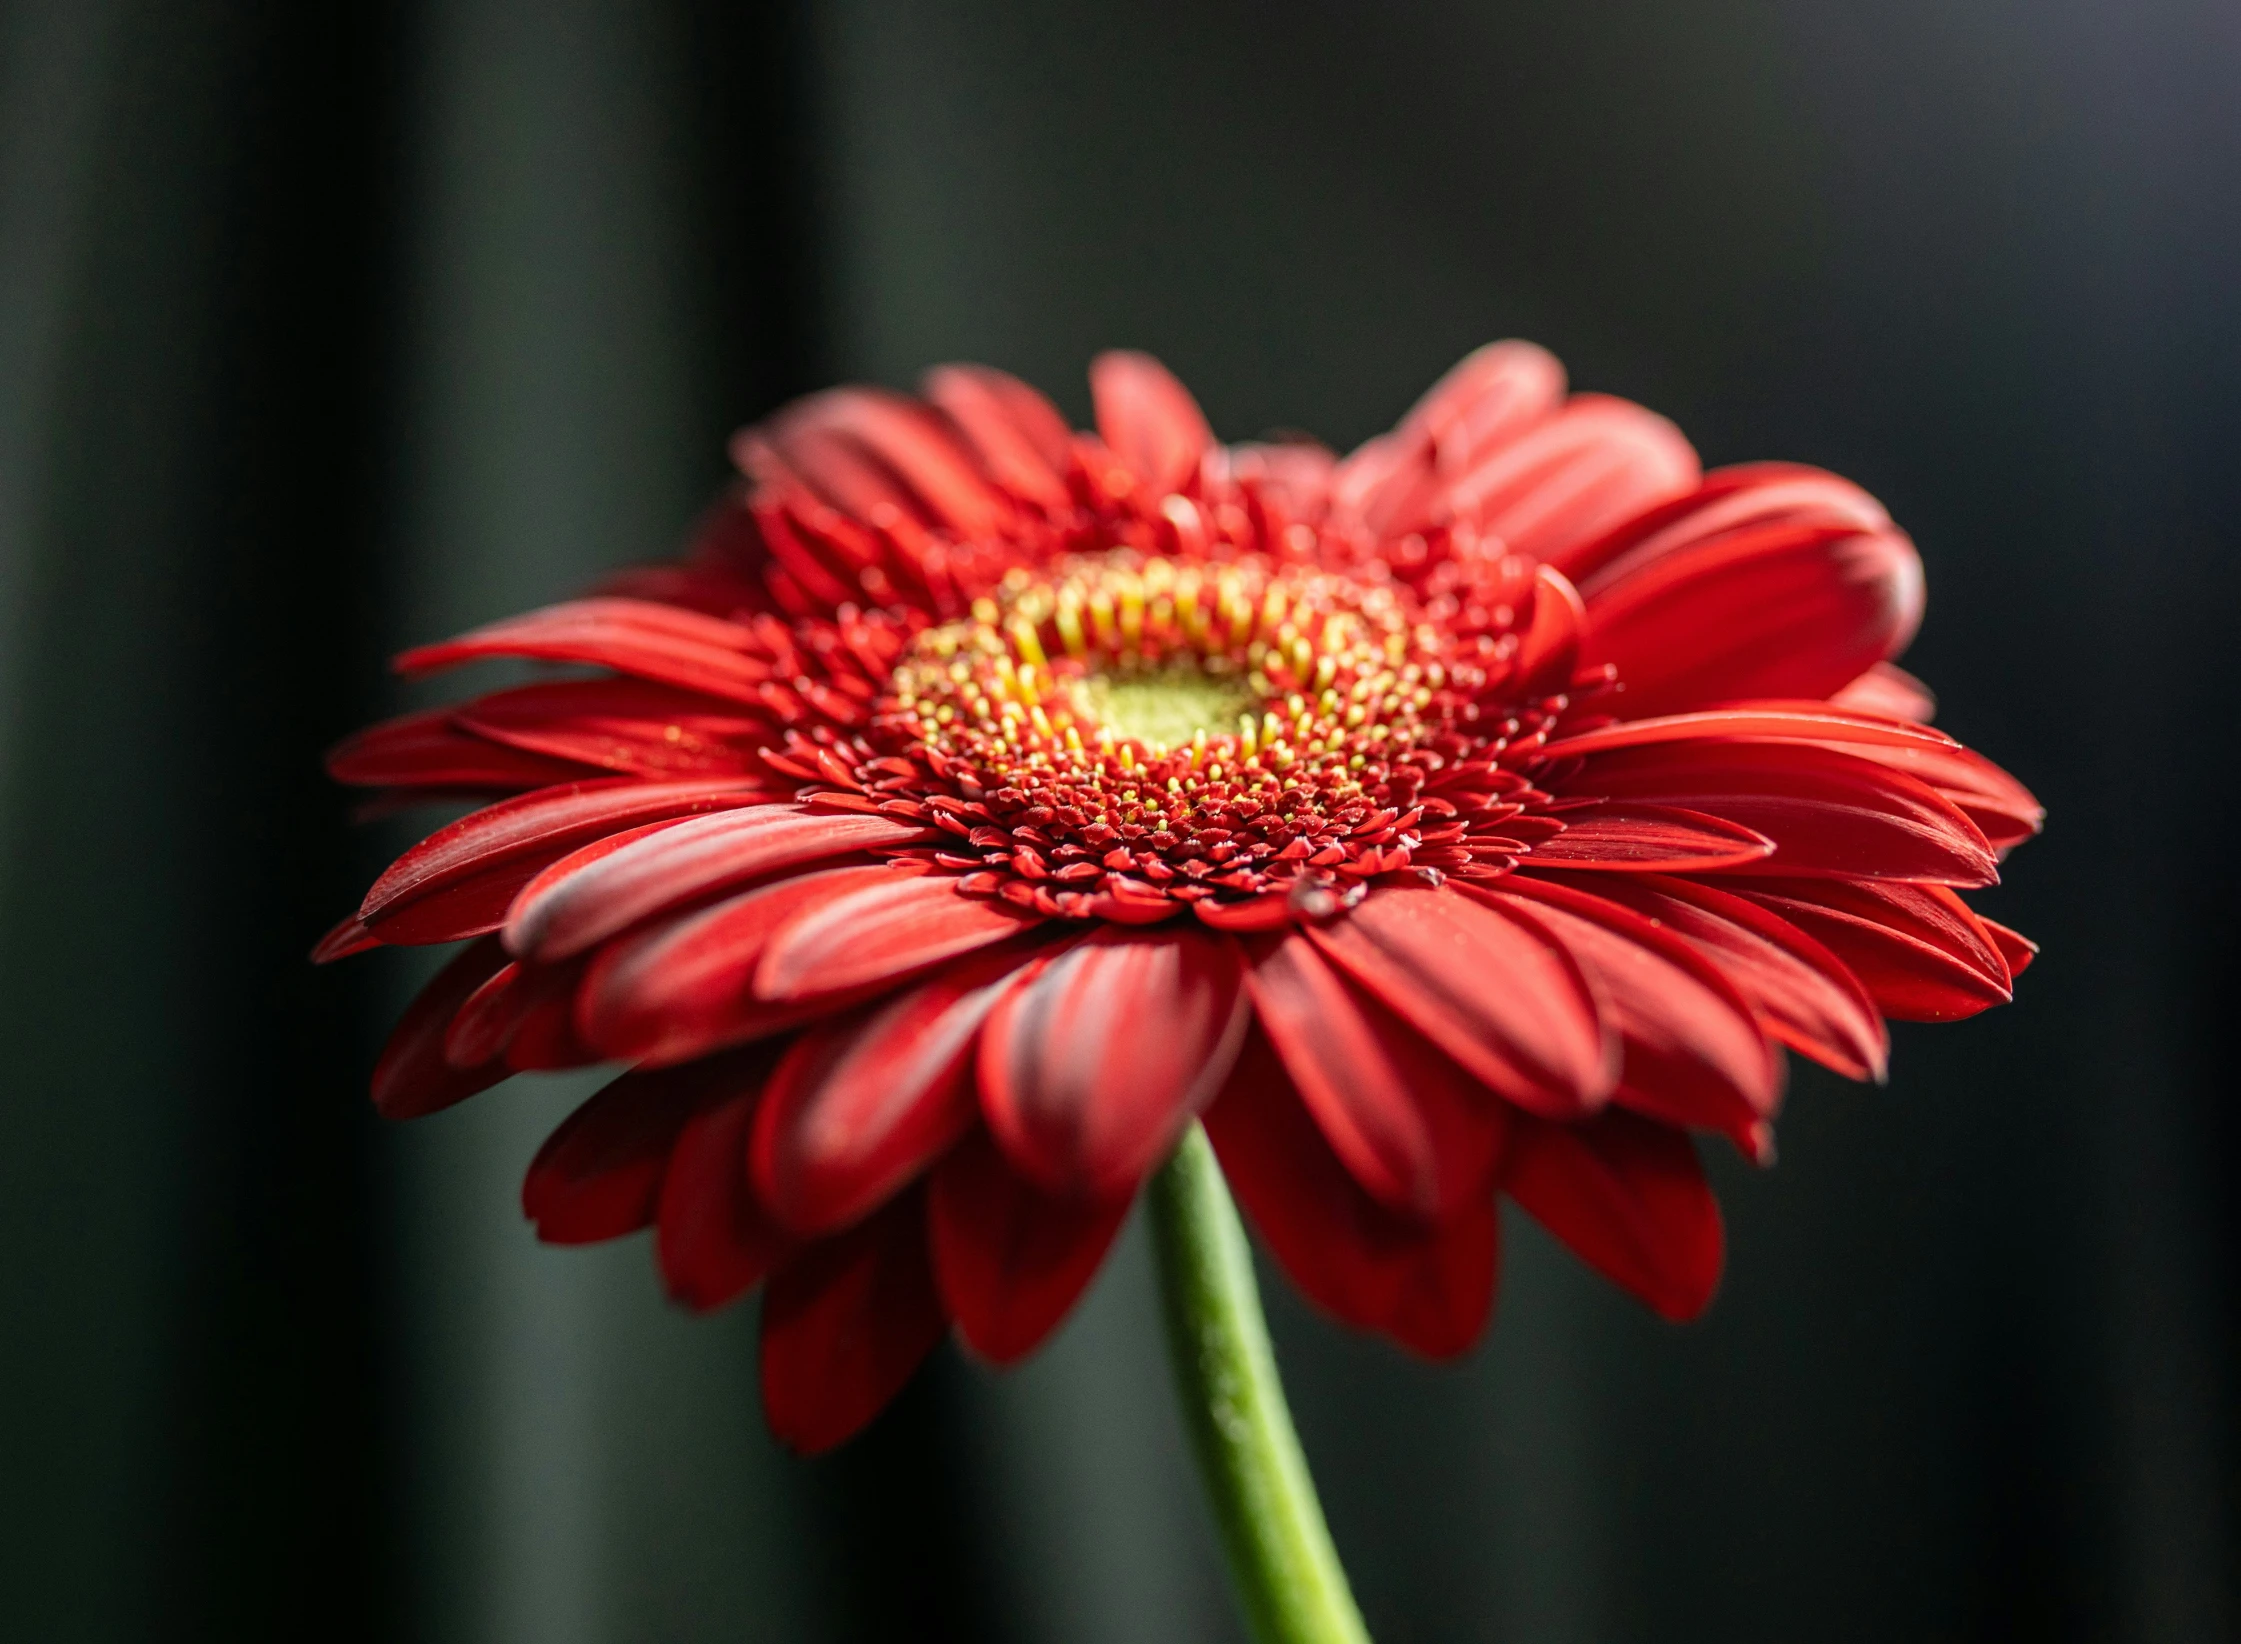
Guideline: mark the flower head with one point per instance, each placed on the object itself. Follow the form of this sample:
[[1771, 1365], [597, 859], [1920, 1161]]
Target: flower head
[[979, 801]]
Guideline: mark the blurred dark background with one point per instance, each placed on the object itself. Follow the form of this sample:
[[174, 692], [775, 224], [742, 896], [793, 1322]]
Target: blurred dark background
[[328, 327]]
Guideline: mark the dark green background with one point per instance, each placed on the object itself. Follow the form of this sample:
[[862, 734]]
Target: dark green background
[[328, 327]]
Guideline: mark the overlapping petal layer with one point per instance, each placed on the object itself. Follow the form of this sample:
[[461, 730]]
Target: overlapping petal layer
[[1473, 816]]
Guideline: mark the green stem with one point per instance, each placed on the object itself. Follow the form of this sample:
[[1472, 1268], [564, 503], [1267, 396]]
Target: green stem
[[1281, 1561]]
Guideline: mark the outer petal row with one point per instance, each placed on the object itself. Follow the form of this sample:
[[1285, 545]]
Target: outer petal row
[[1369, 1158]]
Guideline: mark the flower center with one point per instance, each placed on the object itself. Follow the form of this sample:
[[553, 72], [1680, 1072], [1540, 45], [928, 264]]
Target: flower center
[[1113, 727], [1120, 666], [1167, 706]]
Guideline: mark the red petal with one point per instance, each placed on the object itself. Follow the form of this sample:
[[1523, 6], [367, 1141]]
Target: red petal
[[532, 1003], [912, 446], [1548, 650], [596, 1177], [1488, 398], [1804, 994], [879, 933], [544, 1035], [427, 750], [460, 868], [1081, 1093], [1135, 910], [1148, 420], [685, 985], [1784, 610], [825, 470], [1272, 911], [800, 535], [474, 906], [1922, 955], [863, 1103], [413, 1078], [1693, 1053], [566, 913], [2003, 809], [1630, 1198], [1827, 812], [347, 938], [1889, 690], [1290, 480], [567, 867], [1728, 501], [1598, 461], [2017, 949], [711, 1238], [845, 1323], [1488, 987], [627, 725], [1021, 441], [482, 1025], [1801, 722], [1429, 1286], [1649, 838], [1485, 403], [1410, 1125], [631, 636], [1010, 1259]]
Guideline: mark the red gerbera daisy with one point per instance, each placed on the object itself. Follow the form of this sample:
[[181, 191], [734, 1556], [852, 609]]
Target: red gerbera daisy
[[980, 801]]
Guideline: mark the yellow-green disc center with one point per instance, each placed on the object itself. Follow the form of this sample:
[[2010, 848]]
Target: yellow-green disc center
[[1169, 706]]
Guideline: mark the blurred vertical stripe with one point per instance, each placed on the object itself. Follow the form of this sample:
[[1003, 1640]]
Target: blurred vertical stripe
[[192, 1212]]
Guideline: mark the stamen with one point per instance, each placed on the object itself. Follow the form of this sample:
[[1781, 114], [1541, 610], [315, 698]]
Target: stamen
[[1212, 730]]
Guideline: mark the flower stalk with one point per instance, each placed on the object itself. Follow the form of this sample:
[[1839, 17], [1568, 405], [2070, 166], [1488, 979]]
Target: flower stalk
[[1282, 1565]]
